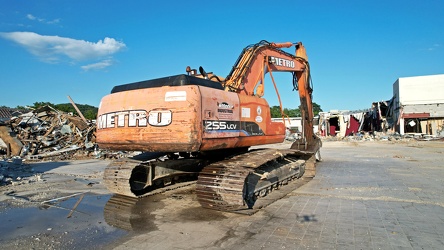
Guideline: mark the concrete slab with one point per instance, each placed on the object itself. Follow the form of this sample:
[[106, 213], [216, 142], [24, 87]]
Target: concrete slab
[[366, 195]]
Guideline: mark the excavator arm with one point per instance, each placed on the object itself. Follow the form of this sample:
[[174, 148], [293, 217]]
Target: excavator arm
[[247, 77], [261, 58]]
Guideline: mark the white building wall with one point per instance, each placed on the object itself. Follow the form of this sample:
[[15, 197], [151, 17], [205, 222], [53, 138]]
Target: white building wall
[[292, 122], [420, 89], [419, 94]]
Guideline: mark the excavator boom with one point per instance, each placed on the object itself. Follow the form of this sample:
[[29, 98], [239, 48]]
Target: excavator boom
[[247, 77]]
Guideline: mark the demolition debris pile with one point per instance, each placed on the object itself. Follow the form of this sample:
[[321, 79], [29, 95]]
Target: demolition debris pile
[[46, 133], [382, 136]]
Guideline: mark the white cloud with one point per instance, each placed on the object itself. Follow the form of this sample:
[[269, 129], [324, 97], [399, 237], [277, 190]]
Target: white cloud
[[30, 17], [434, 47], [54, 48], [42, 20], [96, 66], [57, 20]]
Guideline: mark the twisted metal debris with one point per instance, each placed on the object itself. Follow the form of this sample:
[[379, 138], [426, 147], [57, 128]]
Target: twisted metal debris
[[46, 133]]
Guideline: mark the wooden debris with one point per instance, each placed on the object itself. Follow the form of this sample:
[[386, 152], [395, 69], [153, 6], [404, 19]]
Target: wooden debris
[[47, 132]]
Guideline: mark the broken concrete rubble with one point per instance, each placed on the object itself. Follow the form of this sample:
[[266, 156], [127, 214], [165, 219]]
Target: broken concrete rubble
[[381, 136], [14, 172], [46, 132]]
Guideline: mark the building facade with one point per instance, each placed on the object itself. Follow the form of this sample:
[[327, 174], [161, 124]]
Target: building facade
[[418, 105]]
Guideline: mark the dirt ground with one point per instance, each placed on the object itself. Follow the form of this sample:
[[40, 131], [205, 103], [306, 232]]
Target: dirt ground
[[64, 205]]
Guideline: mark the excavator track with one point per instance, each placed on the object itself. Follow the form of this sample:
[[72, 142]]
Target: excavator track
[[237, 183], [142, 176], [117, 175]]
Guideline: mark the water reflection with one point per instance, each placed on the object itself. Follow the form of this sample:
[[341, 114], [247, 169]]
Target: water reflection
[[132, 214], [62, 222]]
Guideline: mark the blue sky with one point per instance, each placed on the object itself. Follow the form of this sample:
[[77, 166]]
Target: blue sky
[[356, 49]]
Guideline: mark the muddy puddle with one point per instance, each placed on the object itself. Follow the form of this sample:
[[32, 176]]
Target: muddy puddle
[[78, 220], [87, 221], [55, 224]]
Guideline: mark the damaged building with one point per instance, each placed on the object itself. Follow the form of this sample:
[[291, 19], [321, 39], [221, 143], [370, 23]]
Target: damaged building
[[345, 123], [340, 123], [416, 108], [419, 105]]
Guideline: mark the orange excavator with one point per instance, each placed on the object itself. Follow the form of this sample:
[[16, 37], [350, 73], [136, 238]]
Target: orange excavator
[[201, 124]]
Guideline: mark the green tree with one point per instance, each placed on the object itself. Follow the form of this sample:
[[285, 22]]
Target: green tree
[[292, 112], [66, 107], [37, 105], [88, 111], [275, 111], [316, 108], [90, 114]]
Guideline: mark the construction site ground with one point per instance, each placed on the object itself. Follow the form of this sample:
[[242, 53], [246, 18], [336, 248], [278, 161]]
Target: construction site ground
[[366, 195]]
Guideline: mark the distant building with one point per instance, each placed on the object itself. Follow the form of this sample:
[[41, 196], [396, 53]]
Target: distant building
[[340, 122], [295, 123], [418, 105]]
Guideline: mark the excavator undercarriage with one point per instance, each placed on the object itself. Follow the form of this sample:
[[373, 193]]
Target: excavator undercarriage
[[235, 183]]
